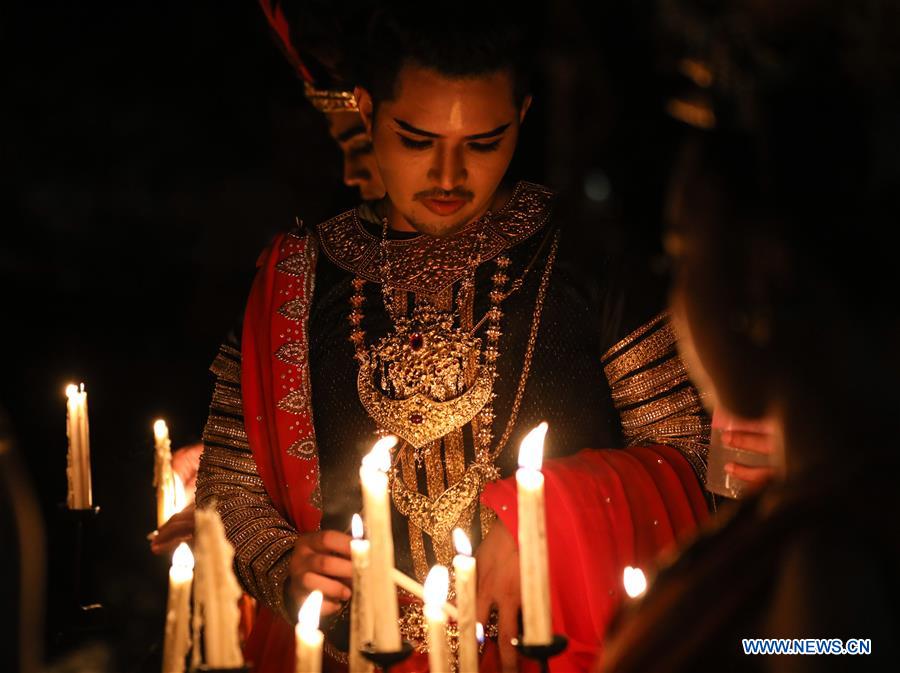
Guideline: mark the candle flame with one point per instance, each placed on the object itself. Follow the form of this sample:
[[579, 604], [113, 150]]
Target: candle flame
[[72, 390], [356, 527], [461, 542], [183, 558], [479, 633], [379, 458], [308, 615], [160, 430], [436, 586], [635, 581], [531, 450]]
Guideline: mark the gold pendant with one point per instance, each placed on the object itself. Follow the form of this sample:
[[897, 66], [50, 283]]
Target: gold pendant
[[425, 379]]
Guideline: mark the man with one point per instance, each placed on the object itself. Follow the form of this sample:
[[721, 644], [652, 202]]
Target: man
[[453, 292]]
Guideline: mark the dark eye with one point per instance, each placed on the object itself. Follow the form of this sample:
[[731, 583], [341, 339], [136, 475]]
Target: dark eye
[[484, 147], [414, 144]]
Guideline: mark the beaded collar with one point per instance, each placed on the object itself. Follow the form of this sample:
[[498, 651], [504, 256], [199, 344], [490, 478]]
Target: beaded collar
[[431, 264]]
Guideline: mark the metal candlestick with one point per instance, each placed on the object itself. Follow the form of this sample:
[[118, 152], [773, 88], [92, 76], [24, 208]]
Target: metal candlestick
[[386, 660], [542, 653]]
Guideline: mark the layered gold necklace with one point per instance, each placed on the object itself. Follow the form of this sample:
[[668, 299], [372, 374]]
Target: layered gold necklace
[[434, 372]]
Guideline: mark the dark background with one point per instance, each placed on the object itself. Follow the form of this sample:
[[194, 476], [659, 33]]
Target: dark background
[[152, 149]]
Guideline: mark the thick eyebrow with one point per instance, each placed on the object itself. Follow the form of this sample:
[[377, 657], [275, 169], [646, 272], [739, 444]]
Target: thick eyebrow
[[428, 134], [350, 133]]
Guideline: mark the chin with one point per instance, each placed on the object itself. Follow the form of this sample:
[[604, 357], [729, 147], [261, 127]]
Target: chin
[[439, 227]]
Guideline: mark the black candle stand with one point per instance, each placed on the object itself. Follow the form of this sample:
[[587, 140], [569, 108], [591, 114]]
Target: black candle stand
[[542, 653], [386, 660], [84, 615]]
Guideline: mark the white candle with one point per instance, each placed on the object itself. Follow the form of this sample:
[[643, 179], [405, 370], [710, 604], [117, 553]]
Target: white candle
[[436, 585], [377, 513], [362, 624], [178, 613], [218, 591], [464, 569], [307, 636], [409, 584], [79, 458], [163, 477], [533, 564]]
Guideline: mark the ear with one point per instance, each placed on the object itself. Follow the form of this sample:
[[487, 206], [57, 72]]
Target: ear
[[366, 107], [524, 109]]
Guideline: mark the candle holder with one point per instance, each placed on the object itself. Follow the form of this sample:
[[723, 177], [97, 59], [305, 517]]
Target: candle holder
[[542, 653], [203, 668], [386, 660], [83, 615]]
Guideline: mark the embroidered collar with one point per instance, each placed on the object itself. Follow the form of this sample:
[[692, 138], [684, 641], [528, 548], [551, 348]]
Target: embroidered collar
[[428, 264]]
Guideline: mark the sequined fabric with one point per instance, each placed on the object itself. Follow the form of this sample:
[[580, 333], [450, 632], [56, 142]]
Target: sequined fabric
[[228, 477]]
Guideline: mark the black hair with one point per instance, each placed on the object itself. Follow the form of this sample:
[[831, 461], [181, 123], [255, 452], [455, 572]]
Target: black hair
[[462, 40]]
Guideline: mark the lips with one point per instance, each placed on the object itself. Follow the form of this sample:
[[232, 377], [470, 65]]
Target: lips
[[444, 206]]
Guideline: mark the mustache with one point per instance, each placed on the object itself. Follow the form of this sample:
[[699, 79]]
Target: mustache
[[455, 193]]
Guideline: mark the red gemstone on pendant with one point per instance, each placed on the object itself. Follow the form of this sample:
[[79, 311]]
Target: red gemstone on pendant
[[416, 341], [416, 419]]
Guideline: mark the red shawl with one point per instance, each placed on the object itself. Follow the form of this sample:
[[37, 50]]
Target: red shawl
[[277, 411]]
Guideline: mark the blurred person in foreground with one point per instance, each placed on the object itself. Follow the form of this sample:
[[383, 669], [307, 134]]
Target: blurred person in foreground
[[782, 219]]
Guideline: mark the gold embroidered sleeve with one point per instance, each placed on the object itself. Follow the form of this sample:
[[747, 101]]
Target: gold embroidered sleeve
[[263, 540], [654, 397]]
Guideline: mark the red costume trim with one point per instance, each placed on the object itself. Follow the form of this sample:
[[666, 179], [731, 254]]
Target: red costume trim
[[281, 433]]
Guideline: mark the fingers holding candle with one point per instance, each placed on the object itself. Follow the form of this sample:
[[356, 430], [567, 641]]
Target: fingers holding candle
[[319, 563]]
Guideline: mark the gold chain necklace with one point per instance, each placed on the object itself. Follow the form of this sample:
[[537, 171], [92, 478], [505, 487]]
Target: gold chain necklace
[[395, 381]]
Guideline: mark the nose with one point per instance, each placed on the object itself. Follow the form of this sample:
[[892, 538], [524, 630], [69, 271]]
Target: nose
[[449, 168], [353, 177]]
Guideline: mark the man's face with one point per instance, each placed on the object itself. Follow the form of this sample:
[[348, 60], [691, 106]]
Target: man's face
[[443, 146], [360, 169]]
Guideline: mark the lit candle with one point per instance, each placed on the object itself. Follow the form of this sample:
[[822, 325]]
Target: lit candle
[[635, 582], [79, 459], [217, 591], [177, 634], [308, 637], [464, 569], [362, 622], [533, 564], [163, 477], [436, 585], [377, 513]]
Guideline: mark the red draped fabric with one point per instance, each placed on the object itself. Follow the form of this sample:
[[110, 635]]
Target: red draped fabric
[[606, 509], [285, 274]]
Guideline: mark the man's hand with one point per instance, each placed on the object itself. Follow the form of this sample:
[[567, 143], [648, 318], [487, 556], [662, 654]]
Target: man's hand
[[178, 529], [756, 436], [186, 464], [321, 560], [498, 586]]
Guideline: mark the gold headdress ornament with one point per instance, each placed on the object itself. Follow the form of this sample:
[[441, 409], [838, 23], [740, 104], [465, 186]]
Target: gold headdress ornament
[[324, 100], [330, 100]]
